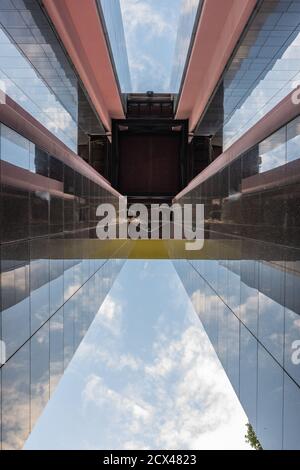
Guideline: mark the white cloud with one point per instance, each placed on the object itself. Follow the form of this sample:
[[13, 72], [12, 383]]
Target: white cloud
[[97, 392], [141, 14], [149, 70], [110, 315], [108, 358], [179, 400], [133, 445], [199, 402], [145, 22]]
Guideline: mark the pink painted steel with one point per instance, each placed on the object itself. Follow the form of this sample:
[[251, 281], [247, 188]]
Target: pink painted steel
[[79, 27], [220, 27], [15, 117]]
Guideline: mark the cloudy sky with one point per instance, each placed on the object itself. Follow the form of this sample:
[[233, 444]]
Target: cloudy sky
[[145, 376], [151, 31]]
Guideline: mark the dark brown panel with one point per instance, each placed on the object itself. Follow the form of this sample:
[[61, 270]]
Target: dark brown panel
[[149, 164]]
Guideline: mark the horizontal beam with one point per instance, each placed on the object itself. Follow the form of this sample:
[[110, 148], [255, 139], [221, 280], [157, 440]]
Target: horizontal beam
[[15, 117]]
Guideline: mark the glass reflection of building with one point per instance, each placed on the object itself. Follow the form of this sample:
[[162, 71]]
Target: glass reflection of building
[[249, 305], [242, 163], [246, 289], [50, 294], [262, 72], [187, 17], [51, 284], [114, 24]]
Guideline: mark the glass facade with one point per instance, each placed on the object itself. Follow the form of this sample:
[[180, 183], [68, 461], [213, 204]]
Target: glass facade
[[263, 380], [114, 24], [262, 72], [257, 194], [186, 24], [247, 297], [43, 196], [50, 293], [37, 359]]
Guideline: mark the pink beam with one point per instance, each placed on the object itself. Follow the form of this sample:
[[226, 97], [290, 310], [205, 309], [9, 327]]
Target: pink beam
[[220, 27], [79, 27], [15, 117]]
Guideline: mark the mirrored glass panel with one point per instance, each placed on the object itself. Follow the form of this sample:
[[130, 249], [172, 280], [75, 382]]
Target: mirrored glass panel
[[16, 400], [269, 400]]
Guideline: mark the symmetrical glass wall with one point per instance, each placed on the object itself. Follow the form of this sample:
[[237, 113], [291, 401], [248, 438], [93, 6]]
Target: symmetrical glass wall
[[263, 71], [50, 291], [51, 285], [247, 294]]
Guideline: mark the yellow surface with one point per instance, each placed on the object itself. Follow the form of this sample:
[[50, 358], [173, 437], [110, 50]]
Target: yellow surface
[[141, 249]]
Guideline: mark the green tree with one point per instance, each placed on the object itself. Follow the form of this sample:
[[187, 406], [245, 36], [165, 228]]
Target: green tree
[[251, 438]]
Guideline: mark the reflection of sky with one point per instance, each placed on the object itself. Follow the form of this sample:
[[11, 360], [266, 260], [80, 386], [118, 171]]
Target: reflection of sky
[[144, 377], [265, 68], [150, 30], [185, 28], [21, 82], [114, 25], [273, 151]]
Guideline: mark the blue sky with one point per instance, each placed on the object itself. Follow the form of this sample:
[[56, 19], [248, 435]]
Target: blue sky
[[145, 376], [150, 31]]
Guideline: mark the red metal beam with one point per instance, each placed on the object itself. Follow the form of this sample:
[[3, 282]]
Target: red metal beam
[[220, 27], [78, 24], [15, 117]]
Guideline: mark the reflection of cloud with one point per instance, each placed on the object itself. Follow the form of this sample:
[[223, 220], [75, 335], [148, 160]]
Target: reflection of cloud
[[259, 95], [15, 400], [59, 119], [189, 6], [71, 289], [3, 86]]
